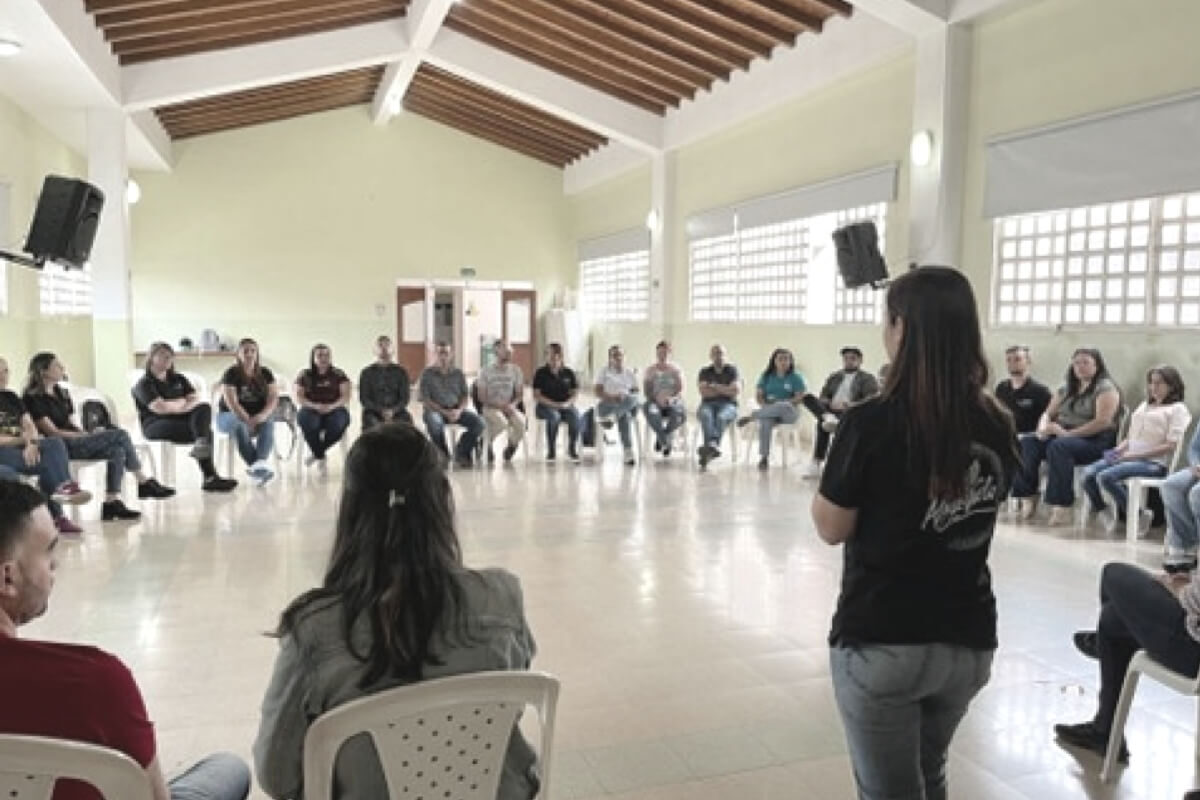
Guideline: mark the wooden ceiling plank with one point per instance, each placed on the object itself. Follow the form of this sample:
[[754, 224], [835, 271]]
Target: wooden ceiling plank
[[701, 26], [782, 10], [736, 17], [217, 108], [100, 6], [230, 35], [248, 120], [637, 17], [424, 84], [523, 147], [572, 27], [549, 135], [239, 20], [555, 56], [839, 7], [362, 79], [597, 82], [187, 9], [486, 122]]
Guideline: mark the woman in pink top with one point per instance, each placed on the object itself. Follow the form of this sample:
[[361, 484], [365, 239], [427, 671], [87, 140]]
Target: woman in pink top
[[1155, 430]]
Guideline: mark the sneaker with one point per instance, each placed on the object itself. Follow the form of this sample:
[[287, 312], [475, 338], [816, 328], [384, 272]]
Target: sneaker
[[1059, 515], [463, 462], [762, 464], [116, 510], [550, 457], [812, 471], [1088, 643], [658, 445], [491, 455], [630, 458], [1087, 736], [201, 449], [260, 472], [573, 454], [153, 490], [215, 483], [1108, 518], [66, 527], [71, 494], [714, 451], [606, 423], [666, 451], [1175, 567], [1145, 522], [705, 452], [829, 422], [1026, 507], [509, 452], [743, 421]]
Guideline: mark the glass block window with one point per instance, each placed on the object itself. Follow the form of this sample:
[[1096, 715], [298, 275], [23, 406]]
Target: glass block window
[[65, 292], [714, 278], [771, 276], [616, 288]]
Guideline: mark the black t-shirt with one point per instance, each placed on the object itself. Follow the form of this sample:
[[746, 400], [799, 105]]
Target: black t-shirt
[[915, 570], [1026, 404], [251, 394], [150, 388], [11, 411], [553, 387], [725, 377], [56, 406], [322, 387]]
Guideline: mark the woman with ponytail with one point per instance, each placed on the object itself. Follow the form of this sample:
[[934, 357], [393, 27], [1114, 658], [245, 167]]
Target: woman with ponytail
[[396, 606]]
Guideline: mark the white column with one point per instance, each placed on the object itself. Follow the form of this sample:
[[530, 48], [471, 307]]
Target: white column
[[662, 240], [112, 345], [940, 109]]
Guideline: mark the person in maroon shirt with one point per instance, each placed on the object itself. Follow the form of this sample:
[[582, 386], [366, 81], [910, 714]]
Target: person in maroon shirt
[[322, 391], [77, 692]]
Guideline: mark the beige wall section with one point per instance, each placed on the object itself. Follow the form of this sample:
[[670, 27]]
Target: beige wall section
[[1052, 61], [295, 232], [27, 154]]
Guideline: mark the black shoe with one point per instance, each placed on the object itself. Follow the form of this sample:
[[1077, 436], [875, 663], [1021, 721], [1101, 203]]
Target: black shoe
[[1179, 567], [115, 510], [666, 451], [463, 462], [153, 490], [762, 464], [573, 454], [1087, 736], [215, 483], [1087, 642], [491, 456], [714, 452], [744, 421], [551, 457], [658, 446], [706, 454], [606, 423], [509, 452]]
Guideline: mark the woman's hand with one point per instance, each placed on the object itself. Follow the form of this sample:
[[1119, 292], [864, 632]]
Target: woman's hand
[[33, 455]]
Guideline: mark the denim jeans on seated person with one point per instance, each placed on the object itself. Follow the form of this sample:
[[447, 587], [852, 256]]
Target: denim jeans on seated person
[[624, 410], [52, 469], [714, 417], [472, 424], [252, 448], [664, 420], [322, 431], [1181, 499], [1062, 454], [1111, 477], [770, 415], [552, 417], [221, 776], [900, 706]]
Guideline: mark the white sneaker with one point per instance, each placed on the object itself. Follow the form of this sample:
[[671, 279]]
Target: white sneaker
[[260, 473], [812, 471], [1026, 507], [829, 422], [1145, 520], [1059, 515], [630, 459], [1108, 518]]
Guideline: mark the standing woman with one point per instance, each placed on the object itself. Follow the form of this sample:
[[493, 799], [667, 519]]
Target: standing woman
[[50, 407], [322, 391], [1076, 428], [249, 396], [171, 411], [911, 488]]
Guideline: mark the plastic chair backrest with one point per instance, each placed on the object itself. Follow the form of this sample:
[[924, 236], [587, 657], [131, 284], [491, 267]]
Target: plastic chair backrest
[[443, 738], [30, 765]]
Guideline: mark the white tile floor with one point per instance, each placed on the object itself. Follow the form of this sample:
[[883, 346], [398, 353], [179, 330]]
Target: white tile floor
[[685, 613]]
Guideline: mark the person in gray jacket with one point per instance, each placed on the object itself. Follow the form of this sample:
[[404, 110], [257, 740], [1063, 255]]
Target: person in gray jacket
[[850, 384], [396, 566]]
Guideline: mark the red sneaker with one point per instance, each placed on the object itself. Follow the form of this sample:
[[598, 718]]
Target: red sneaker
[[66, 527], [71, 494]]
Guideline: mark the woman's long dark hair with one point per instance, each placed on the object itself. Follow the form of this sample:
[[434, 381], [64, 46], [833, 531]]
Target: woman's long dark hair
[[255, 375], [771, 362], [1073, 381], [155, 349], [1171, 377], [37, 366], [394, 554], [312, 357], [939, 375]]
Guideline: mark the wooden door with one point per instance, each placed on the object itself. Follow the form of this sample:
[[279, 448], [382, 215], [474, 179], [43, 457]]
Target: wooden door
[[414, 329], [520, 322]]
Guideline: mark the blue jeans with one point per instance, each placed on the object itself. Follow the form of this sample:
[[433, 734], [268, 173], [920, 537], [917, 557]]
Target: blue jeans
[[664, 420], [553, 416], [1062, 454], [112, 446], [1181, 498], [252, 447], [768, 417], [51, 470], [472, 423], [714, 417], [221, 776], [322, 431], [1112, 477], [900, 706], [625, 410]]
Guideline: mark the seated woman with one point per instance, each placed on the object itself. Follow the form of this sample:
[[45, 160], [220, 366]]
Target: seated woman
[[248, 400], [780, 390], [1155, 430], [50, 407], [322, 392], [171, 411], [1138, 611], [396, 569], [1181, 498], [1076, 428]]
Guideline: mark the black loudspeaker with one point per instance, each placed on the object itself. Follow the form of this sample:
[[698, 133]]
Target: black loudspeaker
[[858, 256], [65, 222]]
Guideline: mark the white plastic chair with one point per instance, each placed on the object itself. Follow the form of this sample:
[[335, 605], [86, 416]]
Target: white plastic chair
[[783, 435], [81, 395], [682, 435], [538, 432], [30, 765], [731, 433], [166, 450], [452, 732], [635, 434], [223, 444], [1142, 664], [1137, 488]]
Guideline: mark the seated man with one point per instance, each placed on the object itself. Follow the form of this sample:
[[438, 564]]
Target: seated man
[[848, 385], [444, 396], [719, 385], [616, 388], [501, 386], [1025, 397], [554, 389], [383, 388], [76, 692], [1181, 497], [664, 409]]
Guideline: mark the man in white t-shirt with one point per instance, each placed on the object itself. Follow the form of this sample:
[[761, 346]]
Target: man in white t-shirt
[[616, 391], [500, 387]]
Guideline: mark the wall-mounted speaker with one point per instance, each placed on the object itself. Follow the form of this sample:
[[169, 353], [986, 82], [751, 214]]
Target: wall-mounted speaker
[[65, 221]]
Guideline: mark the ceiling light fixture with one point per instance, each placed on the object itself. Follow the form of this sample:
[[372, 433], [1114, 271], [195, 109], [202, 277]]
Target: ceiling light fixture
[[9, 47]]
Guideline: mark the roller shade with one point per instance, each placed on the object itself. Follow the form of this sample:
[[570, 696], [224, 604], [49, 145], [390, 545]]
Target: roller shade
[[616, 244], [1140, 151]]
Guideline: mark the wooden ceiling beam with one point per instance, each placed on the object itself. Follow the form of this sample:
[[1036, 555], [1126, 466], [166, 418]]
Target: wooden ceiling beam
[[258, 17], [545, 51], [259, 96], [839, 7], [101, 6], [187, 9], [187, 46], [446, 84], [596, 82], [267, 106], [713, 35], [520, 146], [365, 79], [739, 18], [636, 15], [781, 9], [259, 118], [484, 121]]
